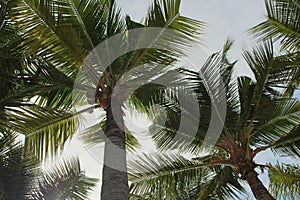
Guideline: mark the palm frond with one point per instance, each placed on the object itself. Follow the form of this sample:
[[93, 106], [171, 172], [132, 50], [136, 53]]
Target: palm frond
[[180, 178], [285, 73], [280, 126], [256, 95], [46, 35], [165, 14], [64, 32], [45, 129], [7, 30], [260, 60], [283, 24], [287, 145], [3, 12], [95, 20], [94, 135], [17, 172], [21, 176], [56, 88], [20, 115], [222, 185], [65, 180], [175, 35], [210, 100], [173, 173], [285, 181]]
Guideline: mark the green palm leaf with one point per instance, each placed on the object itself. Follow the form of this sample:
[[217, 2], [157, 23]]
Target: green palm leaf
[[17, 172], [22, 178], [66, 180], [285, 119], [166, 126], [287, 145], [94, 135], [174, 173], [185, 31], [285, 181], [48, 37], [180, 178], [282, 23], [45, 130], [222, 185]]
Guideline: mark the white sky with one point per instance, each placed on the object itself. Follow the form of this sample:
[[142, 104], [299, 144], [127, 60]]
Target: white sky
[[224, 19]]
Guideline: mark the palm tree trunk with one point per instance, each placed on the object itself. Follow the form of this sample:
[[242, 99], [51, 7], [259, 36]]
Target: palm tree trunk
[[115, 180], [257, 188]]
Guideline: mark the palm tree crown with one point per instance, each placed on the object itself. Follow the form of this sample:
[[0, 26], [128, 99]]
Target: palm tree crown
[[249, 129]]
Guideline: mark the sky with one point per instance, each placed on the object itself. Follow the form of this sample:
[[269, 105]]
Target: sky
[[224, 19]]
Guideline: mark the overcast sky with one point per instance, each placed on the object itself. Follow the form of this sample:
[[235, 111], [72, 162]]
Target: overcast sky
[[224, 19]]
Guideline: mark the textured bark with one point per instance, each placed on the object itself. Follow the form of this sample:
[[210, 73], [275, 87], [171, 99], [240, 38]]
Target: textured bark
[[115, 180], [257, 188]]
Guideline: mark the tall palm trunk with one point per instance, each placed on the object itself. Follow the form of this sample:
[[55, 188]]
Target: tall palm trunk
[[115, 180], [257, 188]]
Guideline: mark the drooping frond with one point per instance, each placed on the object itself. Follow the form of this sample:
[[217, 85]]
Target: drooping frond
[[52, 87], [180, 178], [48, 122], [17, 172], [285, 181], [222, 185], [173, 173], [66, 180], [51, 126], [21, 176], [45, 130]]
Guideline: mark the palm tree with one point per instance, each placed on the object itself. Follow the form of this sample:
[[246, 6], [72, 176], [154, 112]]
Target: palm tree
[[22, 178], [55, 42], [258, 117]]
